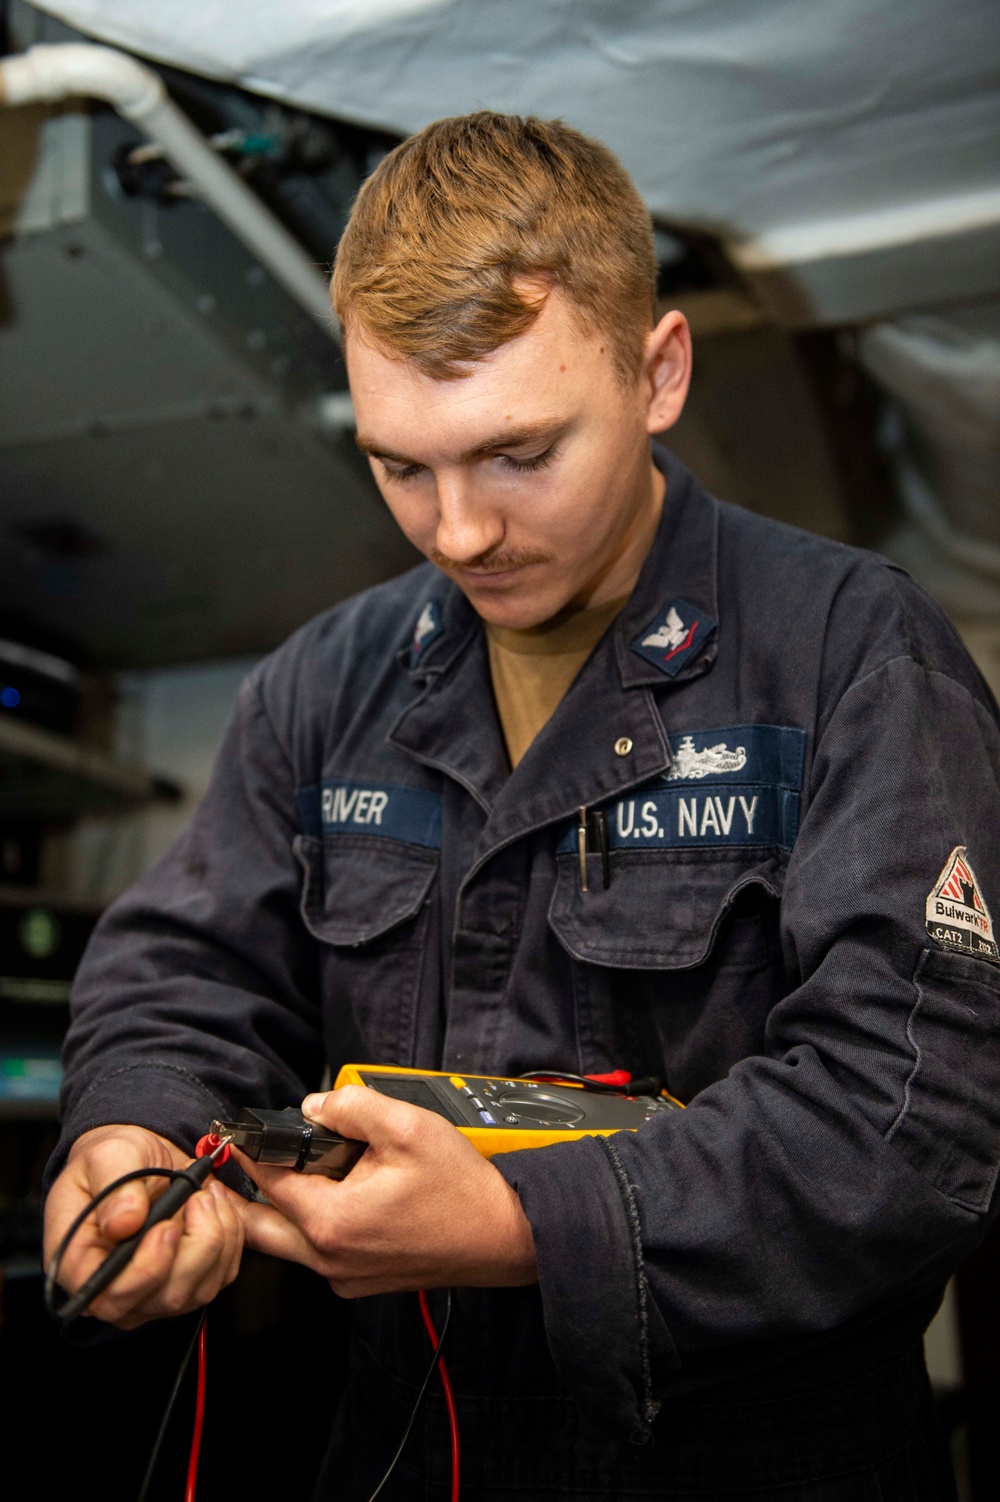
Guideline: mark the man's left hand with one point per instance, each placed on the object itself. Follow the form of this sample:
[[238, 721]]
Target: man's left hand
[[420, 1209]]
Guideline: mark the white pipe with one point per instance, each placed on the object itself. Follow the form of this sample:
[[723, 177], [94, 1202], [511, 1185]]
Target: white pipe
[[50, 74], [872, 230]]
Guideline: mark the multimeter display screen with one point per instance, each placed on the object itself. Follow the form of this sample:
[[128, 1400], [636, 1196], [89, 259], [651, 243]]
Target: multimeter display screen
[[417, 1092]]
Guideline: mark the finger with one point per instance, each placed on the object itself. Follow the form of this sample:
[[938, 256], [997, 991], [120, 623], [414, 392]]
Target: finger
[[304, 1198], [148, 1270], [75, 1188], [203, 1257], [123, 1212], [228, 1264], [267, 1230], [89, 1247], [199, 1252], [65, 1202]]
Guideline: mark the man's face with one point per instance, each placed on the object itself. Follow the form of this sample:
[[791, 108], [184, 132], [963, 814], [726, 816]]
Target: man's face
[[523, 480]]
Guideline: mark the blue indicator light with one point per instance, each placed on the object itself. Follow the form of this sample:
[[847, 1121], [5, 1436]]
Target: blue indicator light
[[9, 697]]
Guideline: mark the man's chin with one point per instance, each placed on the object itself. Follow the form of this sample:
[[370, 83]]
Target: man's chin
[[515, 610]]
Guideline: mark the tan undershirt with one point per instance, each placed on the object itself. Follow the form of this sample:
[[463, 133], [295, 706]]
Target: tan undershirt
[[532, 669]]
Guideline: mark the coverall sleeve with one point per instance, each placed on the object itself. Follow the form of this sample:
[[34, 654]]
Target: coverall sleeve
[[852, 1163], [199, 990]]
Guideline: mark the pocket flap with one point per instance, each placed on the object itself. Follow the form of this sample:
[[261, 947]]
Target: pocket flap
[[662, 909], [355, 889]]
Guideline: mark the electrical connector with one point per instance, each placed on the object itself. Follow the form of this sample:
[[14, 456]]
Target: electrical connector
[[287, 1139]]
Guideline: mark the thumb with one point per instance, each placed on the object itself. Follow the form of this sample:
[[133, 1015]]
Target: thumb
[[368, 1116], [123, 1212]]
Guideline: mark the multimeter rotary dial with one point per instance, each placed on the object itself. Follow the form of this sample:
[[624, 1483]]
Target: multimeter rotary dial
[[535, 1105]]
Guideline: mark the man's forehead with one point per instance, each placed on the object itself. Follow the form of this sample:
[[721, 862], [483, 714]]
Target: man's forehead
[[529, 386]]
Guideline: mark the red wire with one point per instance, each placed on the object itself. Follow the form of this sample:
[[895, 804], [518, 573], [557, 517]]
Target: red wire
[[199, 1420], [449, 1398]]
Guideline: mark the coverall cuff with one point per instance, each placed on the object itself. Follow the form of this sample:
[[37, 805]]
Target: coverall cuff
[[604, 1335], [162, 1097]]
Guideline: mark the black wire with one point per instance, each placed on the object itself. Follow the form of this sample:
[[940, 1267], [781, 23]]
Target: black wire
[[50, 1287], [420, 1398], [161, 1433], [649, 1086], [63, 1247]]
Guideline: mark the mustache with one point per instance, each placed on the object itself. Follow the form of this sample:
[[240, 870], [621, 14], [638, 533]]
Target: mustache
[[493, 561]]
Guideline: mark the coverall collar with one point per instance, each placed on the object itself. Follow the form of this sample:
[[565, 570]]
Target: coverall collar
[[453, 725], [681, 564]]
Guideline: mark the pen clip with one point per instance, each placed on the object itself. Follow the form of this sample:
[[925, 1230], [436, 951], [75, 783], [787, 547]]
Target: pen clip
[[581, 849]]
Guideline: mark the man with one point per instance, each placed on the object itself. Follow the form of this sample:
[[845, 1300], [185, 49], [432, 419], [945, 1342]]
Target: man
[[797, 765]]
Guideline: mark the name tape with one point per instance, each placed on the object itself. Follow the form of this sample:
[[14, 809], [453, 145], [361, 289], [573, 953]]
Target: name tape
[[385, 810]]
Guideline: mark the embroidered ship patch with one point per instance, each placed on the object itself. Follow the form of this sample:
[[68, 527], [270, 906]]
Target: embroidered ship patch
[[956, 915], [710, 762]]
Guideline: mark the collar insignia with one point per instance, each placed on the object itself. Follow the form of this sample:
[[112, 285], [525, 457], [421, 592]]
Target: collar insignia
[[673, 637], [429, 626]]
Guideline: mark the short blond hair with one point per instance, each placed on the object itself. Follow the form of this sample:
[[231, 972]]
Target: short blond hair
[[451, 225]]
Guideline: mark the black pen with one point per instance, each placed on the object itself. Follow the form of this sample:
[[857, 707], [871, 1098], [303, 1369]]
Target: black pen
[[599, 825]]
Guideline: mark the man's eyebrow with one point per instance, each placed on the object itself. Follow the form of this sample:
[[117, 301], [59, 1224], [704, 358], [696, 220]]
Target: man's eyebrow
[[511, 438], [516, 438], [376, 450]]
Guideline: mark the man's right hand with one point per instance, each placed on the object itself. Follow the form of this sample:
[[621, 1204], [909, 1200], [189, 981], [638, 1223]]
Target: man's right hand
[[179, 1265]]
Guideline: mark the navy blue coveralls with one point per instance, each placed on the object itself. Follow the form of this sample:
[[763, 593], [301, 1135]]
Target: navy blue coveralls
[[731, 1300]]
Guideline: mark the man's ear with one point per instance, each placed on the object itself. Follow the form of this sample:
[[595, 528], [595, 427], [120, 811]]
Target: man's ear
[[666, 373]]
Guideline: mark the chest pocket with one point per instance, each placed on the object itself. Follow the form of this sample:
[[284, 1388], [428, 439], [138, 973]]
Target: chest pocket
[[369, 860], [356, 890], [666, 911], [678, 963]]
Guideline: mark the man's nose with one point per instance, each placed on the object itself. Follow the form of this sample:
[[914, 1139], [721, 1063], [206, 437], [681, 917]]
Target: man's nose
[[467, 527]]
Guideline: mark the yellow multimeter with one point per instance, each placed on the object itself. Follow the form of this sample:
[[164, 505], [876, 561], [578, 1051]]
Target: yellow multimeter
[[501, 1113], [498, 1114]]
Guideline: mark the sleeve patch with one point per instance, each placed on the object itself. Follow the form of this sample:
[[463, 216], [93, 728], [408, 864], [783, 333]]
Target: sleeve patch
[[956, 914]]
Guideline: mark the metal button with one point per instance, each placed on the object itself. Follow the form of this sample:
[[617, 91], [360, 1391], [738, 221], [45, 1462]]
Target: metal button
[[623, 746]]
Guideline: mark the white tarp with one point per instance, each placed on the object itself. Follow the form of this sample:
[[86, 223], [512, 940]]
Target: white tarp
[[747, 116]]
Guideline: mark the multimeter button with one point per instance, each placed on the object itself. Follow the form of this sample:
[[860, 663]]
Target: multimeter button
[[458, 1082], [489, 1120], [466, 1090], [477, 1103], [512, 1120]]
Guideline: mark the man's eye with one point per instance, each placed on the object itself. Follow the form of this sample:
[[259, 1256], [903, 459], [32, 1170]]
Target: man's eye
[[401, 471], [522, 466]]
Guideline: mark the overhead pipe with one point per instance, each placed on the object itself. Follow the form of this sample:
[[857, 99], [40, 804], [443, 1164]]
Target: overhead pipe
[[49, 74]]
